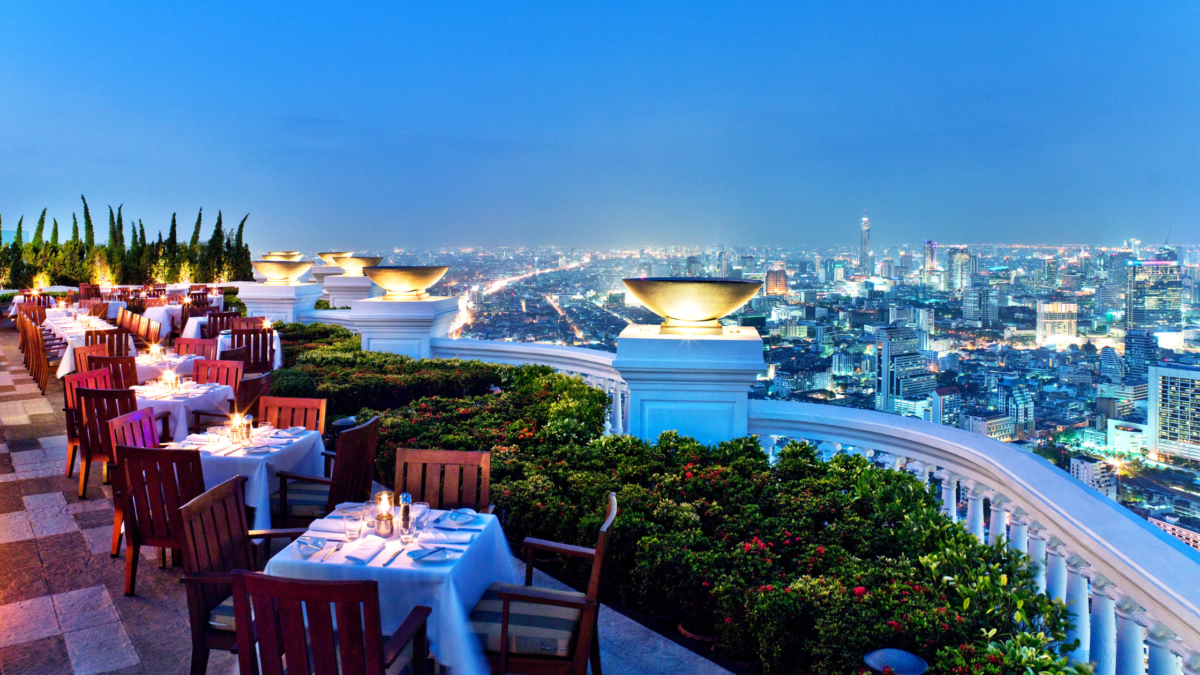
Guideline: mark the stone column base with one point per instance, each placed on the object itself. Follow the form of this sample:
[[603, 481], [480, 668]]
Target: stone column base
[[402, 327], [279, 303], [342, 290]]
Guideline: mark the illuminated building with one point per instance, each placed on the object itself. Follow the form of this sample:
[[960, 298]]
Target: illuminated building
[[777, 283], [900, 371], [864, 251], [1153, 295], [958, 263], [1175, 411], [1056, 320]]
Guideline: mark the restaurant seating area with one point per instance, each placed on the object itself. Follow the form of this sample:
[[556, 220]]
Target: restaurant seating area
[[135, 535]]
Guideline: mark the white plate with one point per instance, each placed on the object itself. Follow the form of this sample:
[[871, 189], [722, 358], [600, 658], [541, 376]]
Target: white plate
[[461, 517], [262, 450], [310, 545], [435, 557]]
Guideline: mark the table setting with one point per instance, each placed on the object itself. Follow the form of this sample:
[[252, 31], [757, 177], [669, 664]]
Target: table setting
[[156, 361], [72, 329], [194, 330], [444, 559], [180, 396]]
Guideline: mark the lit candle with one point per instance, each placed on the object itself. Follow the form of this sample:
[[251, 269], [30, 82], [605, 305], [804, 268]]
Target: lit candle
[[383, 519], [267, 324], [156, 352]]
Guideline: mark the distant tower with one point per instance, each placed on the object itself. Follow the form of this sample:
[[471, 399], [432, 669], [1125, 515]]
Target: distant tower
[[864, 253]]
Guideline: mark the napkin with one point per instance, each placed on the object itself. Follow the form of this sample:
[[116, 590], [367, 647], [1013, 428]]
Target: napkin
[[368, 547], [460, 538], [323, 525], [198, 438], [221, 446]]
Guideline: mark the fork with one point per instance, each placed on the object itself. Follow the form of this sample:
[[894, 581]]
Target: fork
[[335, 549]]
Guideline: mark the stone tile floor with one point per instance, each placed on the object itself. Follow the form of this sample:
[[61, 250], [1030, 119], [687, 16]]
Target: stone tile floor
[[62, 603]]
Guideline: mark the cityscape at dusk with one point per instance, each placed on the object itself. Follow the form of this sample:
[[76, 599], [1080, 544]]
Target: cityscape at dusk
[[638, 339]]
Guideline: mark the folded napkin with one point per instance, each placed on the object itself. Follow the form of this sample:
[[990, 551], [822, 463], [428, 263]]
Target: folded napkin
[[220, 447], [198, 438], [458, 529], [448, 537], [367, 548], [323, 525]]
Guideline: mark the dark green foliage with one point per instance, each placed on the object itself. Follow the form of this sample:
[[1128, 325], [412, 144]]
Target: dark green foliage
[[37, 233], [54, 234], [89, 237], [74, 228]]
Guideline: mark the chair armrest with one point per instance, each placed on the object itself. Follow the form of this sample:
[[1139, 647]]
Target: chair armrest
[[412, 628], [207, 579], [330, 455], [304, 479], [555, 547], [491, 508], [538, 596], [291, 533]]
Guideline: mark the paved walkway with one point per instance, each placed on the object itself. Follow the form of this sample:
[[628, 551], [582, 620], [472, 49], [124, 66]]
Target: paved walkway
[[62, 603]]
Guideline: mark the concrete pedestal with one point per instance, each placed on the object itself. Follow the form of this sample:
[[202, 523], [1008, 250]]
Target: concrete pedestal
[[696, 385], [402, 327], [279, 303], [342, 290], [320, 273]]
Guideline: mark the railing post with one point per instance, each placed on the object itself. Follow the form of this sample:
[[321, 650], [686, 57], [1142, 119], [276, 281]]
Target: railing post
[[1162, 661], [1056, 570], [1037, 551], [949, 494], [998, 527], [975, 492], [1018, 531], [1130, 659], [1104, 627], [616, 409], [1077, 605]]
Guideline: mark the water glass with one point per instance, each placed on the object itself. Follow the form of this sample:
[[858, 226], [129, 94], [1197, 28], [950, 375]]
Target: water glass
[[353, 519], [420, 515]]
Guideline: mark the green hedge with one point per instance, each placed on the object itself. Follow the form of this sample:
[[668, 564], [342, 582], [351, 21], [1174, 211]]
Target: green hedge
[[799, 567]]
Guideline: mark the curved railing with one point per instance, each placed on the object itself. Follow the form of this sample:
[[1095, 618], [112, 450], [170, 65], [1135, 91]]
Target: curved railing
[[1143, 585]]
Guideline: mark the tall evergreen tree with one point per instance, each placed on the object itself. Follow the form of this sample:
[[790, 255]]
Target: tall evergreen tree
[[74, 228], [54, 234], [19, 240], [214, 253], [37, 233], [89, 235], [196, 232], [193, 252], [243, 269]]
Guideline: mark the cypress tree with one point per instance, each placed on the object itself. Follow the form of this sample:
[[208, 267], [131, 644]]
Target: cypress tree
[[196, 232], [214, 252], [193, 252], [74, 228], [89, 235], [244, 269], [19, 240], [54, 234], [37, 233]]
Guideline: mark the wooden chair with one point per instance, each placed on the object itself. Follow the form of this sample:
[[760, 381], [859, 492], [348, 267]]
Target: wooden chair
[[142, 327], [156, 302], [198, 288], [283, 413], [37, 355], [123, 369], [217, 322], [157, 483], [219, 372], [97, 407], [315, 496], [245, 402], [290, 622], [153, 332], [116, 339], [247, 322], [241, 355], [437, 476], [198, 298], [99, 378], [205, 349], [261, 344], [216, 541], [521, 625], [187, 312], [99, 309], [82, 354]]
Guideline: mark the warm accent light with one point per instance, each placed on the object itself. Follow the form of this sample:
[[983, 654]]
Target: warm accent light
[[406, 283], [329, 256], [279, 273], [353, 264], [692, 306], [283, 256]]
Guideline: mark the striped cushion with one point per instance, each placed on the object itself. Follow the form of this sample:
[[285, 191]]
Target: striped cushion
[[544, 630], [304, 499], [221, 618]]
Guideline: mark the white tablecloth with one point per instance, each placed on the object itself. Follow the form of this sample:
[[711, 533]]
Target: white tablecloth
[[149, 370], [214, 399], [73, 340], [451, 588], [302, 457], [113, 309], [193, 331]]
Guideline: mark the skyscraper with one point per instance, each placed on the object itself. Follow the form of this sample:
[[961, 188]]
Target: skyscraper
[[887, 269], [900, 372], [930, 256], [1153, 295], [1141, 351], [864, 251], [777, 282], [981, 303], [958, 263], [1056, 320], [1112, 365], [906, 261], [1174, 411]]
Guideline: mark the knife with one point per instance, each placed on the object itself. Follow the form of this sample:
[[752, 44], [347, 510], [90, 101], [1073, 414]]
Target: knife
[[398, 552], [335, 549]]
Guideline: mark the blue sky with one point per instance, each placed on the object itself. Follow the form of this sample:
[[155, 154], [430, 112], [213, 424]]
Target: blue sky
[[610, 124]]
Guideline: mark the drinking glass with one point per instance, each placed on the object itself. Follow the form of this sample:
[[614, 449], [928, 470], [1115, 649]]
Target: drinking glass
[[420, 515], [353, 519]]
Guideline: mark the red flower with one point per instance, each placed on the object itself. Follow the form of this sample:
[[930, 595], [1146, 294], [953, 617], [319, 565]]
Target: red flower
[[860, 591], [821, 550], [894, 625]]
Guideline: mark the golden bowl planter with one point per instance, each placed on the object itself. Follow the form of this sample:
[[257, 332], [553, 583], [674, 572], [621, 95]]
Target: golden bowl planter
[[281, 273], [354, 264], [405, 283], [328, 256], [283, 256], [692, 306]]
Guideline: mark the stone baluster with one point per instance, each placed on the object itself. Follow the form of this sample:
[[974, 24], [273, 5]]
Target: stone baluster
[[1163, 660], [998, 527], [1038, 537], [1056, 570], [1103, 651], [975, 493], [899, 462], [1130, 659], [949, 493], [1077, 605], [1018, 530], [1191, 662], [617, 409]]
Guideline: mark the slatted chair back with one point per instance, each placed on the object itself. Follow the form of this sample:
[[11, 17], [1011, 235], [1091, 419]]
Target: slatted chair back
[[249, 393], [205, 349], [122, 368], [354, 465], [45, 300], [87, 302], [115, 339], [290, 625], [36, 357], [283, 413], [99, 378], [98, 407], [99, 309], [143, 325], [217, 322], [82, 354], [155, 302], [247, 322], [240, 354], [207, 371], [137, 429], [445, 479], [593, 591], [153, 332], [216, 540], [198, 298], [188, 311], [260, 343], [35, 312]]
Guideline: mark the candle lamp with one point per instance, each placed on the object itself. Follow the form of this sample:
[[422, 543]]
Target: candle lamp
[[155, 352], [266, 324], [170, 382], [384, 521]]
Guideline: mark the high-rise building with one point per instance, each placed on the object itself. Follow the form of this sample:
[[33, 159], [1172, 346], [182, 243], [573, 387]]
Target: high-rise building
[[925, 320], [1153, 295], [900, 371], [1112, 365], [1096, 474], [777, 283], [1141, 351], [723, 264], [906, 261], [864, 250], [1174, 411], [1116, 269], [945, 406], [958, 264], [901, 313], [1017, 403], [930, 262], [981, 303], [1056, 320], [694, 267], [887, 269], [1049, 272], [1108, 298]]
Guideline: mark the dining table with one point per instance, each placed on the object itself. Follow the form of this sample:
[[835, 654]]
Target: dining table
[[190, 396], [73, 330], [151, 367], [194, 330], [114, 308], [474, 554], [168, 315], [296, 450]]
